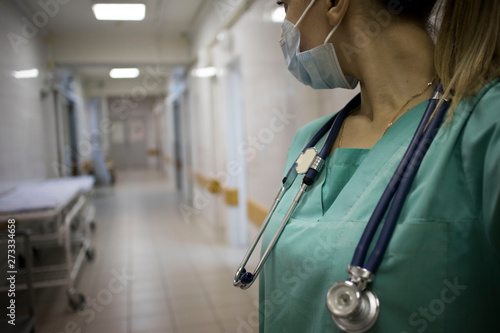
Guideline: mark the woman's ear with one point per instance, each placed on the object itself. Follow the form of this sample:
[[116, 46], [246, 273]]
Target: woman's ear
[[336, 10]]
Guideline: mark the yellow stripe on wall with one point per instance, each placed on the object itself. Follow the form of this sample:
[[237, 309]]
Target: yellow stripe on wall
[[256, 212], [211, 185], [153, 152], [231, 196]]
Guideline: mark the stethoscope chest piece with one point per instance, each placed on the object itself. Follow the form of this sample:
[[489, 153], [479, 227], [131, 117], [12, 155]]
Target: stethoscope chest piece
[[353, 310]]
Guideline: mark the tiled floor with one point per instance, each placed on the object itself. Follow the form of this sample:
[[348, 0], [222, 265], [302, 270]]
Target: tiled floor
[[152, 272]]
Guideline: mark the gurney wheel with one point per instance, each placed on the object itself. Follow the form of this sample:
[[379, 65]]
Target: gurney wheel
[[76, 300], [90, 254]]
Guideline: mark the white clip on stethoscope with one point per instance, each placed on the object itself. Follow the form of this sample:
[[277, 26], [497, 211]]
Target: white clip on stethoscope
[[353, 305]]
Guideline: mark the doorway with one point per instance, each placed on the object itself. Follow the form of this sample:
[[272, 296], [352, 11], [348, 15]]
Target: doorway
[[235, 136]]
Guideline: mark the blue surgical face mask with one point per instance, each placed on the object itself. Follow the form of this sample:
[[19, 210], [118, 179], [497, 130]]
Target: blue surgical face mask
[[319, 67]]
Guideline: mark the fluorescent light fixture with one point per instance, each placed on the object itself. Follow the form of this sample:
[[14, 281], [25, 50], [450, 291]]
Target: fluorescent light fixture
[[119, 11], [205, 72], [124, 73], [221, 36], [26, 74], [278, 15]]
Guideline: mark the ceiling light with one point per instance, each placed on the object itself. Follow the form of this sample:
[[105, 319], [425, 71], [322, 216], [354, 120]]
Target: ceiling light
[[124, 73], [278, 15], [26, 74], [204, 72], [119, 11]]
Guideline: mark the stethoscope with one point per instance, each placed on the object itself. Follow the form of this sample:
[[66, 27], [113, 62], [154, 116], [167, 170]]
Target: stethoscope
[[353, 305]]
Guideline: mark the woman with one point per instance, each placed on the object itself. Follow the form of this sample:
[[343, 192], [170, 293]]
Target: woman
[[440, 271]]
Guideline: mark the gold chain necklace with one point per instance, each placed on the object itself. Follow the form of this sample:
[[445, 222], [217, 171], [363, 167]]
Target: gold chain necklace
[[395, 116]]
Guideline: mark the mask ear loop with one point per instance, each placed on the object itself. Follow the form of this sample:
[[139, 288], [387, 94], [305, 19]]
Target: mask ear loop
[[305, 12], [326, 41], [333, 30]]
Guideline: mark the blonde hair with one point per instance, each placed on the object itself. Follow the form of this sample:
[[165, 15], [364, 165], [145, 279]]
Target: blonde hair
[[467, 49]]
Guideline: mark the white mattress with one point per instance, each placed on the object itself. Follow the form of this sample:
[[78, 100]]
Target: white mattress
[[47, 195]]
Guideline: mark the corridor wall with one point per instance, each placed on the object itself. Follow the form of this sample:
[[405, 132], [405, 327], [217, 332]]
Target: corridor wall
[[27, 127], [274, 106]]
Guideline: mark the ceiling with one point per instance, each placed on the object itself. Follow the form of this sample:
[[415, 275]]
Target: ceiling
[[172, 17], [72, 26]]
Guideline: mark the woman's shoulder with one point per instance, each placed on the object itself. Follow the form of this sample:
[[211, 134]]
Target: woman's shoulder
[[480, 152], [303, 135], [489, 90], [482, 117], [306, 132], [486, 104]]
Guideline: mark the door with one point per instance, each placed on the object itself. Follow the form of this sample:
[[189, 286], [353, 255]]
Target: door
[[178, 156], [128, 148], [67, 136], [235, 134]]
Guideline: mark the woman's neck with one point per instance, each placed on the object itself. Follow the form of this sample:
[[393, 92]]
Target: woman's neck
[[392, 68]]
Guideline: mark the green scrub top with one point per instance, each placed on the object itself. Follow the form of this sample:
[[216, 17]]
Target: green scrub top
[[441, 270]]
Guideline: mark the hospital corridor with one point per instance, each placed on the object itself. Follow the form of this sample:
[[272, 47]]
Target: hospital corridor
[[154, 271]]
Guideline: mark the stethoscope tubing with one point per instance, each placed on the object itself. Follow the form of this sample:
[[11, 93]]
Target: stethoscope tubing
[[381, 208], [250, 277], [244, 279], [405, 171], [326, 127], [364, 309], [241, 271], [396, 191], [332, 136], [401, 194]]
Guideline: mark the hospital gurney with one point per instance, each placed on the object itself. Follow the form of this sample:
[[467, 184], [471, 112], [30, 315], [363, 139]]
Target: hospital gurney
[[58, 212]]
